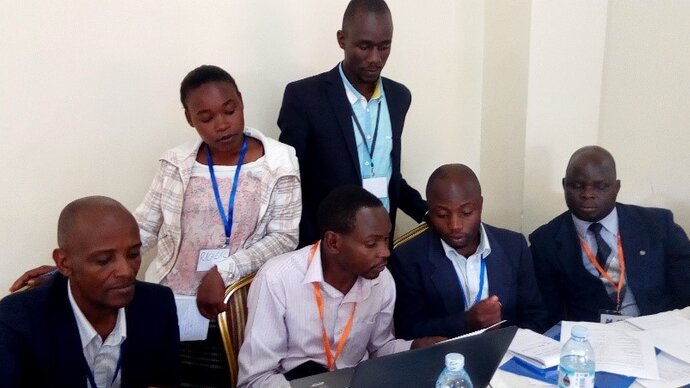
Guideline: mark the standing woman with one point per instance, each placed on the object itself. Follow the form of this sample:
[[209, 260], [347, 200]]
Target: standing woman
[[233, 194]]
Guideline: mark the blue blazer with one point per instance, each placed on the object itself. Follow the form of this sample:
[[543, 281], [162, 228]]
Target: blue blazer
[[430, 300], [315, 120], [40, 344], [657, 265]]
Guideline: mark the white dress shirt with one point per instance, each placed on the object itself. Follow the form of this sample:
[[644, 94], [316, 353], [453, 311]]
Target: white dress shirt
[[468, 269], [609, 232], [284, 328], [101, 356]]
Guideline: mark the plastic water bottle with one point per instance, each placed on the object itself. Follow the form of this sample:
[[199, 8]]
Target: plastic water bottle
[[576, 369], [454, 375]]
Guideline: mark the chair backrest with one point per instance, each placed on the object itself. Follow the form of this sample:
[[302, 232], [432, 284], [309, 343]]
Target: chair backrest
[[233, 320], [405, 237]]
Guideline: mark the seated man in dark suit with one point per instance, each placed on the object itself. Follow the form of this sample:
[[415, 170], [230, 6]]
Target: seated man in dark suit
[[93, 324], [346, 124], [461, 275], [602, 257]]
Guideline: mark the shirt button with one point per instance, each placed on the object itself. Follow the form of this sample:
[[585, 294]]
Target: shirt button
[[366, 163], [368, 137]]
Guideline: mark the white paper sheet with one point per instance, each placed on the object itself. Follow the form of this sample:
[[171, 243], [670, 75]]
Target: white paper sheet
[[659, 321], [536, 349], [674, 340], [672, 373], [193, 325], [480, 331], [617, 351]]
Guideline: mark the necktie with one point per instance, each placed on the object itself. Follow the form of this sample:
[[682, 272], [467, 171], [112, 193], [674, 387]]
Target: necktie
[[603, 249]]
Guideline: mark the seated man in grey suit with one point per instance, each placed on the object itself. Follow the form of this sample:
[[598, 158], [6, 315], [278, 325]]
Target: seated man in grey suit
[[602, 259], [462, 275], [93, 324]]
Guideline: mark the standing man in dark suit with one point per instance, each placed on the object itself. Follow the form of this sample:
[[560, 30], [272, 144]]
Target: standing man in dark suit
[[461, 275], [92, 324], [346, 124], [601, 260]]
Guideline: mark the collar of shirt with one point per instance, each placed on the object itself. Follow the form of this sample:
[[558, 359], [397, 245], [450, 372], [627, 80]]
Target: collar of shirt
[[359, 291], [483, 249], [610, 224], [354, 96], [88, 334]]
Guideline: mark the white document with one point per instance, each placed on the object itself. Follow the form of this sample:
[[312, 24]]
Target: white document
[[672, 373], [617, 351], [193, 325], [660, 320], [536, 349], [480, 331], [674, 340]]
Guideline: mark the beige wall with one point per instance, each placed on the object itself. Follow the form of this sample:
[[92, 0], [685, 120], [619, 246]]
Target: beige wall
[[89, 96]]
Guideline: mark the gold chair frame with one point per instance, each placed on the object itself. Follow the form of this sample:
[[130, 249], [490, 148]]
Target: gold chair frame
[[223, 323], [407, 236]]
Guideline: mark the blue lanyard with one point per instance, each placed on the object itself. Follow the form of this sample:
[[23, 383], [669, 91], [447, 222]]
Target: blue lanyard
[[482, 269], [92, 380], [364, 138], [227, 220]]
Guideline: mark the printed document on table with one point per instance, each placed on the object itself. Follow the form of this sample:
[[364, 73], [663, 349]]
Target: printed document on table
[[672, 373], [536, 349], [617, 351], [674, 340], [660, 320], [193, 325]]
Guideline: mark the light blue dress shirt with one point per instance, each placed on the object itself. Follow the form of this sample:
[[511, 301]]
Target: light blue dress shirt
[[366, 113], [609, 233]]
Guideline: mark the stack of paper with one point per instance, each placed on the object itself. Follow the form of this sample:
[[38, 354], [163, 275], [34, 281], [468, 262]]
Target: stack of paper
[[535, 349], [617, 351]]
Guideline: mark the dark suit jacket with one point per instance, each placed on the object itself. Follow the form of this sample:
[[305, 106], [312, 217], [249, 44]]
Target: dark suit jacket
[[40, 344], [430, 300], [315, 120], [657, 265]]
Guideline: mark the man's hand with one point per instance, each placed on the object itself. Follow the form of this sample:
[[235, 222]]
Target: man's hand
[[426, 342], [209, 297], [34, 277], [483, 314]]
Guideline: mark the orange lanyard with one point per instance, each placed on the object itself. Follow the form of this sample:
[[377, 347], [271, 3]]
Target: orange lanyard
[[330, 358], [602, 271]]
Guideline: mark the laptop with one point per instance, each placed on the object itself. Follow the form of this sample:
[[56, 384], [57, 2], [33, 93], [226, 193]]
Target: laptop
[[339, 378], [420, 368]]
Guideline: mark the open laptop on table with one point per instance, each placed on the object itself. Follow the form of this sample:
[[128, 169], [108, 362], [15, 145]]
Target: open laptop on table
[[420, 368]]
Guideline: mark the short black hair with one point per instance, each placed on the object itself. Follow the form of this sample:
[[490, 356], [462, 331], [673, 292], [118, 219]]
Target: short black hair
[[338, 210], [374, 6], [454, 171], [203, 75]]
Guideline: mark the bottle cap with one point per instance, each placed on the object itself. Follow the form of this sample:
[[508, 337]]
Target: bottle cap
[[579, 331], [455, 361]]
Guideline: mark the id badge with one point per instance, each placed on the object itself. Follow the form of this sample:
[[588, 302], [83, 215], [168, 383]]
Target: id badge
[[377, 186], [210, 257], [610, 316]]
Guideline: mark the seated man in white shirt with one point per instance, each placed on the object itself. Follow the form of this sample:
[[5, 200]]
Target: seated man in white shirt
[[92, 325], [328, 304]]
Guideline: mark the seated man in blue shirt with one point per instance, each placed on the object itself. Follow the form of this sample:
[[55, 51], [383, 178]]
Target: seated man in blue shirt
[[92, 324], [602, 260], [462, 275]]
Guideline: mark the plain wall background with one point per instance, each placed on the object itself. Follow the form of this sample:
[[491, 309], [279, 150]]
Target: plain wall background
[[89, 96]]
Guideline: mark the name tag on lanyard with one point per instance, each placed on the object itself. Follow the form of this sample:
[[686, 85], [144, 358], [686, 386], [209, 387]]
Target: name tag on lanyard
[[208, 258], [378, 186]]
